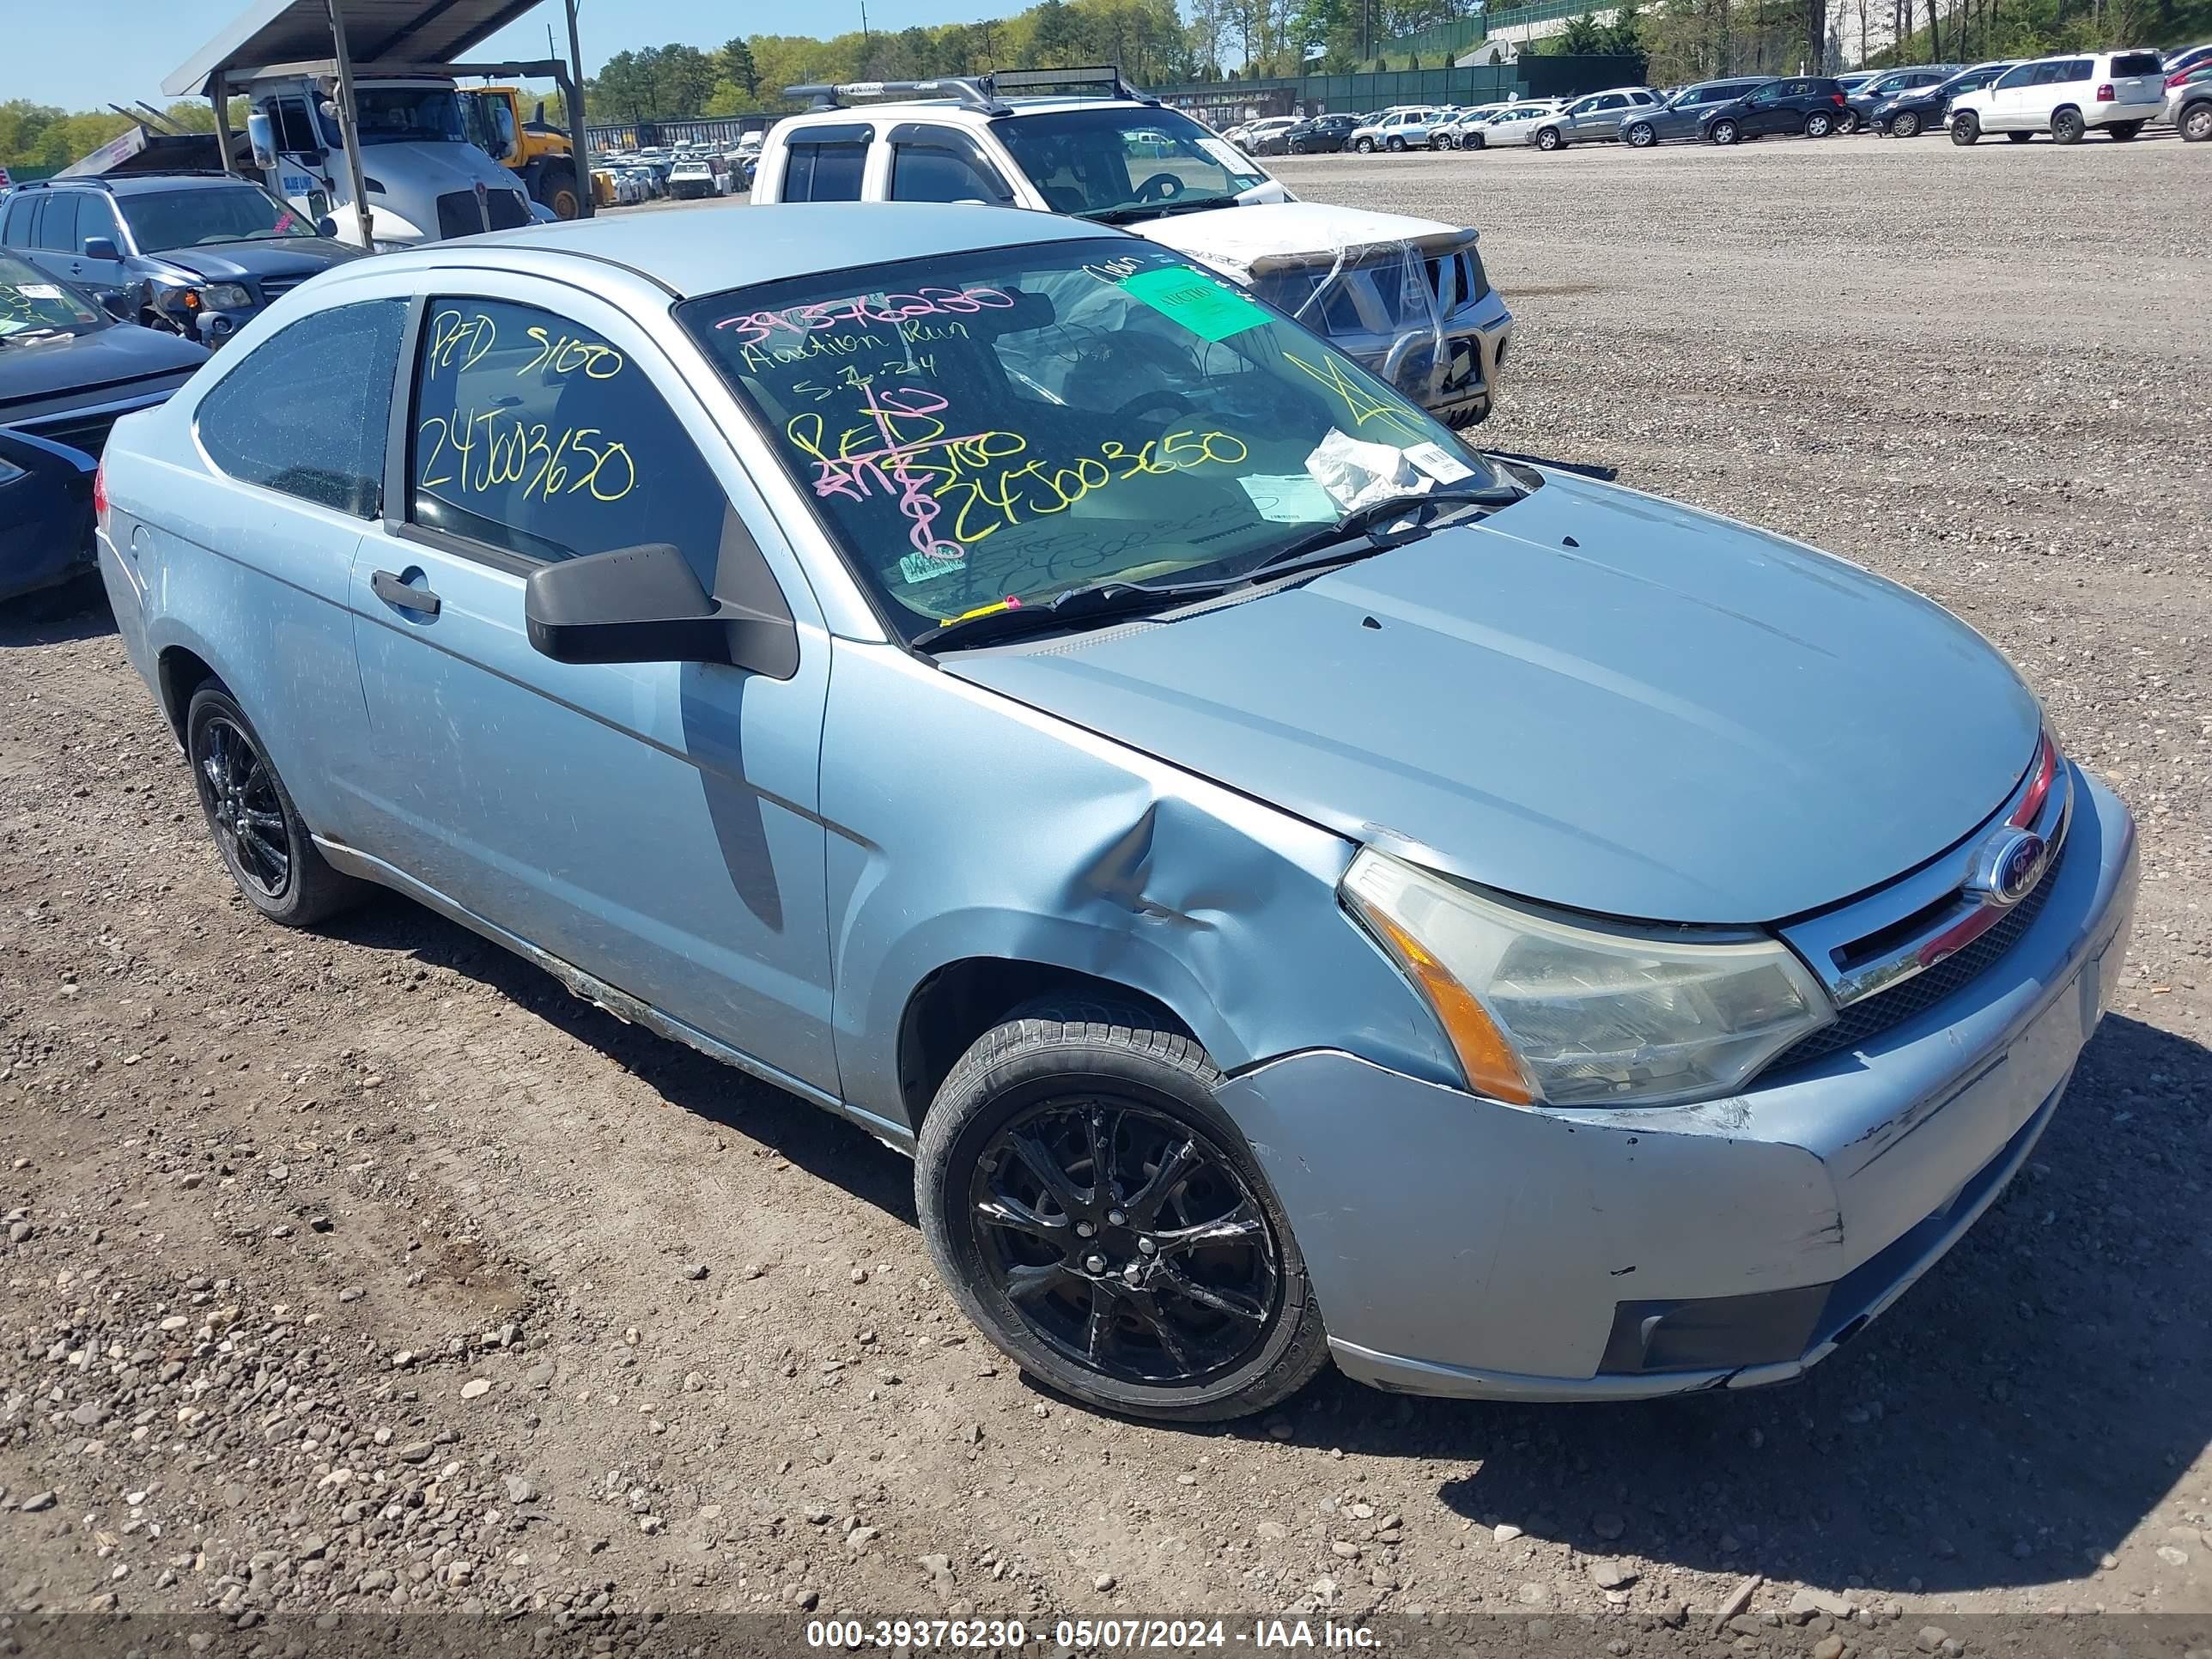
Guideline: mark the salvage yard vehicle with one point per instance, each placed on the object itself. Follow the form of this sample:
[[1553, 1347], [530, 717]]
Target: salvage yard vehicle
[[1514, 124], [694, 178], [1860, 102], [1920, 109], [1408, 298], [1596, 119], [1678, 117], [45, 513], [979, 671], [198, 254], [2069, 96], [68, 368], [1811, 104], [2189, 102], [1397, 129]]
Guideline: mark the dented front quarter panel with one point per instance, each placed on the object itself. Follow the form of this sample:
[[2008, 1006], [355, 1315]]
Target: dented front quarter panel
[[965, 824]]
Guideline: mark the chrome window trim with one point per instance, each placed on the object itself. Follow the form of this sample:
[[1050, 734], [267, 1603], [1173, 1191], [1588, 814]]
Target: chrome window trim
[[1825, 940]]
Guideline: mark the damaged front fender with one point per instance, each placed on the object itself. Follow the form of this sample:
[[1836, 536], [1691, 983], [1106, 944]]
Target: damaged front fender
[[964, 825]]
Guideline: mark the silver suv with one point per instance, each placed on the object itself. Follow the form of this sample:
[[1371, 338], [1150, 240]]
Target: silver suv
[[1594, 119]]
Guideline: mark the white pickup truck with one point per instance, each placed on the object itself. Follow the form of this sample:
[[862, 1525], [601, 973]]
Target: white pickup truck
[[1405, 298]]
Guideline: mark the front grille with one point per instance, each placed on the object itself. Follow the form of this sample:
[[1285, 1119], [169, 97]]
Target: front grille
[[507, 208], [1864, 1021], [1374, 297], [458, 214], [273, 287]]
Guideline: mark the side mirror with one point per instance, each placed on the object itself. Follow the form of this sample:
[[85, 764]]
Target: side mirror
[[121, 307], [326, 226], [644, 605], [263, 138], [102, 247]]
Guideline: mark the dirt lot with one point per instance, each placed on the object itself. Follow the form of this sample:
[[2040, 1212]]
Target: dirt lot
[[365, 1271]]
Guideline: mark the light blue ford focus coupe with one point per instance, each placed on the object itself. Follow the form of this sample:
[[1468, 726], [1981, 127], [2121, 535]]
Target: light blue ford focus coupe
[[1297, 887]]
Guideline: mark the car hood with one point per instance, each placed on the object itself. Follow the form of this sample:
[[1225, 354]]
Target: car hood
[[1239, 241], [1594, 698], [106, 360], [233, 262]]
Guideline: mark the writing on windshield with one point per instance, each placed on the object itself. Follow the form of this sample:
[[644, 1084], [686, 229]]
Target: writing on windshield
[[998, 429]]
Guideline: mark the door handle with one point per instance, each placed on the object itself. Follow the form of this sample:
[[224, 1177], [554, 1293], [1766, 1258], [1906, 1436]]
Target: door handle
[[403, 595]]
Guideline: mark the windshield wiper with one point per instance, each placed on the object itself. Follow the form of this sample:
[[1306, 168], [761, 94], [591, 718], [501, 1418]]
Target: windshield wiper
[[1077, 604], [1129, 212], [1374, 528], [37, 335]]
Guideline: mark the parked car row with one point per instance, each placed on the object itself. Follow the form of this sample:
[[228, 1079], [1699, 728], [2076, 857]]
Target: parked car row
[[2068, 96]]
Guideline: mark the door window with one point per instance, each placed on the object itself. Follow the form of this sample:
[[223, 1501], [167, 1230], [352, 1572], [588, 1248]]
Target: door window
[[825, 171], [535, 437], [1612, 100], [296, 133], [922, 171], [306, 411], [2019, 77], [1766, 97], [57, 224]]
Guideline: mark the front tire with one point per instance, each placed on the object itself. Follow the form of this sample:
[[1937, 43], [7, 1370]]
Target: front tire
[[2019, 137], [563, 196], [267, 849], [2197, 124], [1905, 124], [1641, 137], [2067, 127], [1725, 132], [1966, 127], [1549, 139], [2121, 131], [1364, 146], [1099, 1216], [1851, 121]]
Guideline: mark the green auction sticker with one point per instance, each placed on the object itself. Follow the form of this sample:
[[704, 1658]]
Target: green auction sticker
[[1210, 309]]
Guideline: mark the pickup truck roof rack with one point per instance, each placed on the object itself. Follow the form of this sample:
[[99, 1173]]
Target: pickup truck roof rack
[[984, 94]]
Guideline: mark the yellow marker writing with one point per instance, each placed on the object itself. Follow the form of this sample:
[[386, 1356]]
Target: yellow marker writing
[[1009, 603]]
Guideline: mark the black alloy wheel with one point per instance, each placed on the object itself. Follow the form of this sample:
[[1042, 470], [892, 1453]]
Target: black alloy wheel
[[238, 792], [1098, 1216], [1126, 1240]]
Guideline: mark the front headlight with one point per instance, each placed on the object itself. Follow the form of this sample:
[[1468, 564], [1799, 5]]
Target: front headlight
[[227, 297], [1543, 1010]]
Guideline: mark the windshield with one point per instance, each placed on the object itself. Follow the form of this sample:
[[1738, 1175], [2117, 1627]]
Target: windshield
[[1130, 163], [32, 302], [391, 115], [1011, 424], [164, 219]]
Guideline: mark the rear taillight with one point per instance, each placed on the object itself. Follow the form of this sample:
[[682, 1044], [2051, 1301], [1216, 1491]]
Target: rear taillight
[[1838, 98], [100, 492], [2104, 94], [2178, 76]]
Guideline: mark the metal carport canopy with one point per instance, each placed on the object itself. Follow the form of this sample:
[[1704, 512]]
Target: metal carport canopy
[[272, 32]]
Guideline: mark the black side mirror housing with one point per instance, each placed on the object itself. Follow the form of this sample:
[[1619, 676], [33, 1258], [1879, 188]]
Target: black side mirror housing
[[327, 226], [102, 247], [645, 604], [121, 307]]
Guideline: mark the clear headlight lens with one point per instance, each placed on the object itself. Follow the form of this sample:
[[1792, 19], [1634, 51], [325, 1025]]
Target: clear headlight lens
[[1543, 1010], [225, 296]]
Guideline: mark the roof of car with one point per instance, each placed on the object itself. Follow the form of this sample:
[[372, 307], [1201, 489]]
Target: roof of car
[[127, 184], [694, 253]]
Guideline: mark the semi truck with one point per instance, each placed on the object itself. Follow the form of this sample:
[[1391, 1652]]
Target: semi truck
[[537, 153]]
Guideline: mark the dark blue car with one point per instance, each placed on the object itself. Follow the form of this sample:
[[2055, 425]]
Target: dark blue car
[[67, 369]]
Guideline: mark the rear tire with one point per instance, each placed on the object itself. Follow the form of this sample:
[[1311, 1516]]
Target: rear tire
[[2121, 131], [1905, 124], [1819, 125], [2067, 127], [266, 847], [1966, 127], [1038, 1182], [1725, 132]]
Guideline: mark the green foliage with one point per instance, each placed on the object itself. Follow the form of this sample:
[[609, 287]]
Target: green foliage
[[1581, 37], [1973, 30]]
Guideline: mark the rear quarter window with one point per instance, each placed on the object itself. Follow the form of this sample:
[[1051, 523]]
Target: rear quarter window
[[306, 413], [2138, 63]]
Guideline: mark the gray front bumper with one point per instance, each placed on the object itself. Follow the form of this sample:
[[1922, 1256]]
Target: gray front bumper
[[1461, 1247], [1475, 340]]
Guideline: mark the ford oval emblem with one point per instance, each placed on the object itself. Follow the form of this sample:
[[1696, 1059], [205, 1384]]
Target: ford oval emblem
[[2006, 870]]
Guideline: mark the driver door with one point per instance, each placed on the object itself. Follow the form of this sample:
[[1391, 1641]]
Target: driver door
[[303, 166], [1763, 111]]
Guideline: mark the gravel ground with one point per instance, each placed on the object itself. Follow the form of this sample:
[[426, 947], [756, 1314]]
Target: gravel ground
[[370, 1271]]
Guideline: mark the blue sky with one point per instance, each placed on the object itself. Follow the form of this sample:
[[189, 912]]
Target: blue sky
[[54, 58]]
